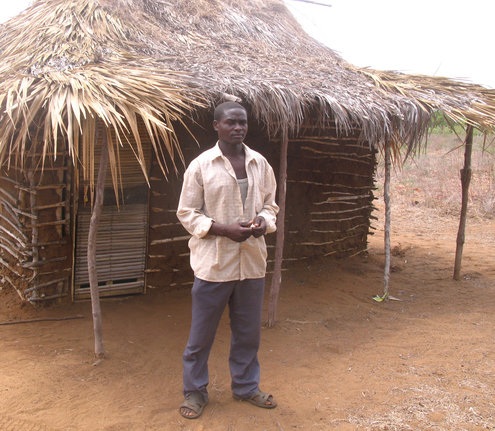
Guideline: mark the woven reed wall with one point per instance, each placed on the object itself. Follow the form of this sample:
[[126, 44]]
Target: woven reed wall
[[35, 232], [329, 205], [329, 201], [329, 194], [168, 253]]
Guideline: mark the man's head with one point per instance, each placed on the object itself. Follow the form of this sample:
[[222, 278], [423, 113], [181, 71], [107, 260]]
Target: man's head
[[230, 122], [220, 109]]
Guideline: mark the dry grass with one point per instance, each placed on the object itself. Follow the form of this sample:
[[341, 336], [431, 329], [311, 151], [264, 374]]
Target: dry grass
[[430, 181], [431, 407]]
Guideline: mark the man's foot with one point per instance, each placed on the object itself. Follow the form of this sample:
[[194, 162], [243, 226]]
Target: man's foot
[[260, 399], [193, 405]]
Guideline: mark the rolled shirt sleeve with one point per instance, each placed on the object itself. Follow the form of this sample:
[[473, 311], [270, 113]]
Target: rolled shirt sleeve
[[270, 208], [190, 211]]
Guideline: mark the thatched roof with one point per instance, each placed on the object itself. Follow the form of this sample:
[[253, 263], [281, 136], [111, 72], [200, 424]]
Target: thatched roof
[[459, 101], [64, 63], [62, 67]]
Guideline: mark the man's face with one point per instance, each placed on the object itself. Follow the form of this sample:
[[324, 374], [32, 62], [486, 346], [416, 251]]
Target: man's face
[[232, 126]]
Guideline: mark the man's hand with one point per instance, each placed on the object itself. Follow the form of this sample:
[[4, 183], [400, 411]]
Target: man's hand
[[237, 232], [240, 232], [258, 226]]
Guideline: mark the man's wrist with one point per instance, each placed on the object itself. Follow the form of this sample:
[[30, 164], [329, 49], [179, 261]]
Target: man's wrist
[[216, 229]]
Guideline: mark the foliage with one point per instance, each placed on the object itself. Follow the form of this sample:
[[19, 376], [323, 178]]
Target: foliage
[[440, 125]]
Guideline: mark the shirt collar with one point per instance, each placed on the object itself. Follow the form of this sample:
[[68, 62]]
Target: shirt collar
[[217, 152]]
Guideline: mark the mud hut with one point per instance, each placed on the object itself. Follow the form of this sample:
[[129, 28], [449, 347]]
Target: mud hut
[[145, 75]]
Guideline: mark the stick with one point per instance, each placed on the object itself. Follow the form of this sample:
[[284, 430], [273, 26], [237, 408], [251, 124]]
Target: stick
[[47, 298], [48, 223], [42, 319], [46, 283], [7, 195], [465, 180], [314, 2], [14, 253], [55, 205], [45, 243], [33, 201], [13, 226], [93, 229], [338, 211], [7, 279], [40, 187], [9, 267], [156, 226], [173, 239], [279, 247], [386, 197], [31, 265], [15, 211]]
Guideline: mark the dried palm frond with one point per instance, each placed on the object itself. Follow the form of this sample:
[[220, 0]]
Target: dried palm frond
[[462, 102], [64, 88], [67, 63]]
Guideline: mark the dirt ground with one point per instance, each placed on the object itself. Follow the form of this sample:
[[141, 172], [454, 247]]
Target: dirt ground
[[336, 359]]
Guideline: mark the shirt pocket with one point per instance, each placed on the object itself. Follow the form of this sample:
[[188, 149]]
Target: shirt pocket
[[259, 198], [219, 192]]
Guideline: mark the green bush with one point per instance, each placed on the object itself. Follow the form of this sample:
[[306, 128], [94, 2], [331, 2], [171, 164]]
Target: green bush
[[440, 126]]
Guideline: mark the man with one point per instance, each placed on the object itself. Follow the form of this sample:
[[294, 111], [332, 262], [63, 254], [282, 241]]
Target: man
[[227, 204]]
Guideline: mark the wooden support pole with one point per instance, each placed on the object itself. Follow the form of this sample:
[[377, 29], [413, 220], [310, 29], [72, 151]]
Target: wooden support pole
[[93, 230], [33, 201], [279, 245], [465, 180], [388, 218]]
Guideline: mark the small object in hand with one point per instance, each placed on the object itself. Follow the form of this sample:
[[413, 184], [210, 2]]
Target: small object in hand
[[252, 224]]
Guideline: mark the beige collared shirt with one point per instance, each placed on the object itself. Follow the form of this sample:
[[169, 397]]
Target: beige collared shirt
[[211, 193]]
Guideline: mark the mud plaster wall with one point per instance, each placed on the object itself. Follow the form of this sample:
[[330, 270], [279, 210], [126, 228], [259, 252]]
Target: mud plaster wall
[[329, 200]]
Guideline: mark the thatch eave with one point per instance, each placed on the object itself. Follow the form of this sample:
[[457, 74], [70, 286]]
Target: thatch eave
[[275, 67], [202, 50], [461, 102]]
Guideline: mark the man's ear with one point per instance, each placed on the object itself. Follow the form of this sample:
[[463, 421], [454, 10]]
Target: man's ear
[[215, 125]]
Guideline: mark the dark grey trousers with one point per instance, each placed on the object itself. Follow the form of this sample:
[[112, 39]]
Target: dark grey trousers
[[209, 299]]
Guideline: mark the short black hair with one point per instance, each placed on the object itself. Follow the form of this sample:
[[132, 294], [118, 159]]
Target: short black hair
[[220, 109]]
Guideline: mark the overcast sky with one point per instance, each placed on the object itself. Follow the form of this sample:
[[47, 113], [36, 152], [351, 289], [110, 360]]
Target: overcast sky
[[435, 37], [451, 38]]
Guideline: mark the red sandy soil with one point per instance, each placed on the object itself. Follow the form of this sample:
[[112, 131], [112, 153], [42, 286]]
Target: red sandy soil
[[336, 360]]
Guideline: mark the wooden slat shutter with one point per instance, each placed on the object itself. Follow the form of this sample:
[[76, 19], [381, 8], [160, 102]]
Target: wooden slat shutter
[[122, 233]]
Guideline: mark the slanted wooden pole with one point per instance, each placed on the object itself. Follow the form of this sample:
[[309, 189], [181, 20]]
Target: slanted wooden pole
[[465, 180], [388, 218], [33, 200], [279, 245], [93, 230]]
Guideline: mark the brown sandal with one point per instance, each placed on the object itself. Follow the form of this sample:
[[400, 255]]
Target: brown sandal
[[260, 399], [194, 403]]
